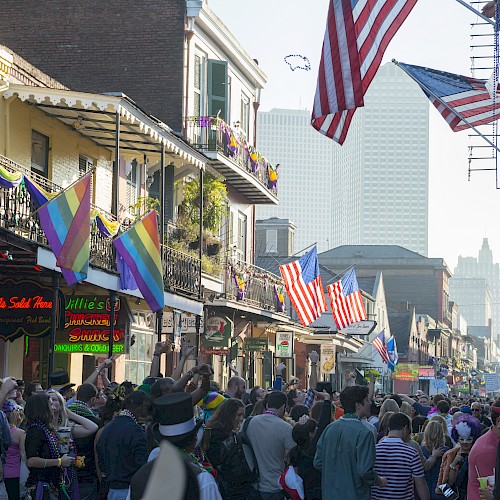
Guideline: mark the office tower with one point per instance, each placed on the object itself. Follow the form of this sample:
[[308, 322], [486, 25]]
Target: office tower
[[371, 190]]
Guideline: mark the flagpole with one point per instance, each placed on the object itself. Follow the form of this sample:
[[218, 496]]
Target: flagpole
[[90, 172], [337, 275], [472, 9], [290, 256], [449, 108]]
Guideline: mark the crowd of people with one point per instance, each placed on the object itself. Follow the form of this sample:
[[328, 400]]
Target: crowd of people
[[182, 437]]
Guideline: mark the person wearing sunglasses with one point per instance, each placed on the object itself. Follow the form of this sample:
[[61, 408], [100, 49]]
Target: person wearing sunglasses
[[478, 413], [454, 465]]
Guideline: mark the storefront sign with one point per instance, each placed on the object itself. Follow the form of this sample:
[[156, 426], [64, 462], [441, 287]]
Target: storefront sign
[[25, 309], [217, 351], [284, 344], [188, 323], [256, 344], [426, 373], [404, 371], [360, 328], [218, 331], [87, 326], [327, 359]]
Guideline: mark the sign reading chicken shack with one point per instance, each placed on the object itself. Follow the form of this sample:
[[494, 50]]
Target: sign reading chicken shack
[[87, 326]]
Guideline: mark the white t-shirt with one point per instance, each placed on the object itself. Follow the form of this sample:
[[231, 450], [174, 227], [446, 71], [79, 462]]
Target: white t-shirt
[[206, 483]]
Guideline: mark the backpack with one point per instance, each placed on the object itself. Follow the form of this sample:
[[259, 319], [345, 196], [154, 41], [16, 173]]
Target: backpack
[[238, 463]]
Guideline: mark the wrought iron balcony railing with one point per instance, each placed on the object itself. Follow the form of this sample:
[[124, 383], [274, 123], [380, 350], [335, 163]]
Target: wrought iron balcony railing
[[206, 133], [18, 215], [254, 286]]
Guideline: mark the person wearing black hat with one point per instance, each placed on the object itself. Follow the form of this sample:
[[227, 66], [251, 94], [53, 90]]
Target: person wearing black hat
[[59, 381], [122, 446], [175, 422]]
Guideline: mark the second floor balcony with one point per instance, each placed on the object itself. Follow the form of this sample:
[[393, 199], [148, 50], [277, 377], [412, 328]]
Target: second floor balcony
[[254, 287], [181, 272], [242, 166]]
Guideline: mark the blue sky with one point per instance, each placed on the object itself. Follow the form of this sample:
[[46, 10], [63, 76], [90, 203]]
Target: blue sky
[[437, 35]]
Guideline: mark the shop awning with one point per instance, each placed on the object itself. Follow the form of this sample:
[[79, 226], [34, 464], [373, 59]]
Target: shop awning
[[95, 116], [338, 339]]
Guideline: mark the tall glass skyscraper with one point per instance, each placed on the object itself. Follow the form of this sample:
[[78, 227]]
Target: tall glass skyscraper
[[371, 190]]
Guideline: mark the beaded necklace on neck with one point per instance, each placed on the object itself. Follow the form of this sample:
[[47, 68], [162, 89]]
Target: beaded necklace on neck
[[81, 408], [271, 412], [127, 413], [351, 416], [50, 436]]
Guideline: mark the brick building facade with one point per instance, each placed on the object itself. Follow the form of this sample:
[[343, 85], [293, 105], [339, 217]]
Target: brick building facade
[[93, 46]]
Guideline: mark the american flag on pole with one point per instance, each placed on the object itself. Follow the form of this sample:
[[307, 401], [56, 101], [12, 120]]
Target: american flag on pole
[[357, 34], [458, 98], [379, 344], [304, 287], [345, 299]]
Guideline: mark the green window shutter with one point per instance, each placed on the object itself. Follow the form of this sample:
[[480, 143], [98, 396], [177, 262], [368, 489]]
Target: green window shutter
[[217, 88]]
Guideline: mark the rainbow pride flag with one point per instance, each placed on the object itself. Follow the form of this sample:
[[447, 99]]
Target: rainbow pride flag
[[139, 247], [66, 223], [9, 180]]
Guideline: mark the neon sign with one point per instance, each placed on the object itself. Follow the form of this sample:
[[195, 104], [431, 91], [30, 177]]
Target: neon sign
[[88, 348], [25, 309], [87, 326]]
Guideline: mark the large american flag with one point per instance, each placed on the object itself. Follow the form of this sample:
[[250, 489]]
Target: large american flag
[[346, 301], [379, 344], [357, 34], [304, 287], [466, 97]]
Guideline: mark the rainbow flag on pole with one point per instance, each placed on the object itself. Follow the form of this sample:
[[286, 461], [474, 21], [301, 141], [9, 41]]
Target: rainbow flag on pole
[[139, 247], [66, 223]]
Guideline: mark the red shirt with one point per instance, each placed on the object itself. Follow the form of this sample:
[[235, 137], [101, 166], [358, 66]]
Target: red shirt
[[483, 457]]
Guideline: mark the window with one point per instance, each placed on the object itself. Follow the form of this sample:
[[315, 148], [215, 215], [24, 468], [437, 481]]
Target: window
[[271, 241], [242, 236], [199, 85], [245, 114], [218, 89], [133, 183], [84, 165], [39, 153], [138, 365]]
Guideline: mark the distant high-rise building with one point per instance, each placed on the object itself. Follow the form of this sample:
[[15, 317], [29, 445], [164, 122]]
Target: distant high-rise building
[[373, 190], [475, 287]]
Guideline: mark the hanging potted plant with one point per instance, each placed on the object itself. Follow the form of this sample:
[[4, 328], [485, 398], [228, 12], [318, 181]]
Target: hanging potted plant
[[214, 208]]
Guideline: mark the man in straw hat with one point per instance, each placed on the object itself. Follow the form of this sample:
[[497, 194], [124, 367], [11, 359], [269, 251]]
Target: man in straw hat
[[174, 423]]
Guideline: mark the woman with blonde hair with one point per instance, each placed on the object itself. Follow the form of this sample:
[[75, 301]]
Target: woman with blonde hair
[[407, 409], [434, 445], [388, 405], [447, 440], [62, 417]]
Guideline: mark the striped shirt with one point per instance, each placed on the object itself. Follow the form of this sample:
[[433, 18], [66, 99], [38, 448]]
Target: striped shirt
[[399, 463]]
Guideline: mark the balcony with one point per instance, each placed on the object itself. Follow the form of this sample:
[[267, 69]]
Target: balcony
[[228, 151], [181, 271], [260, 286]]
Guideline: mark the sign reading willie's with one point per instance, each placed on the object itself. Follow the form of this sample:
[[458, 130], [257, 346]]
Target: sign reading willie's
[[25, 309], [87, 324]]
